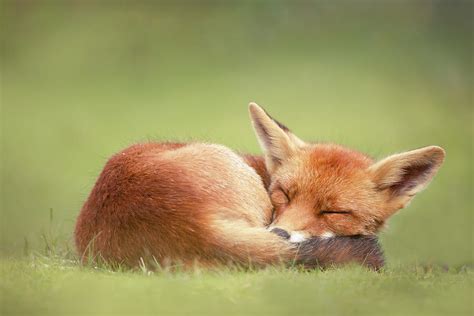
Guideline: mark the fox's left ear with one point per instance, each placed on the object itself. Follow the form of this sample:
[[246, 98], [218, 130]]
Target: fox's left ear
[[402, 176], [276, 140]]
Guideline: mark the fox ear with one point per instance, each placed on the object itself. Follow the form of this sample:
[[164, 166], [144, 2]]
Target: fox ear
[[402, 176], [275, 139]]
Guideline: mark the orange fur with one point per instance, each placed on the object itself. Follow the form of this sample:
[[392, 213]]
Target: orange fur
[[203, 204], [191, 204], [327, 189], [171, 203]]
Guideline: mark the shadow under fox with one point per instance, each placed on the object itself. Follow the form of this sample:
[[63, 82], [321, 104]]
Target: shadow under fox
[[198, 203]]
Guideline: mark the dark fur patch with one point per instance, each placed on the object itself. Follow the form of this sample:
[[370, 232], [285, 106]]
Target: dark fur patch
[[281, 232], [324, 252]]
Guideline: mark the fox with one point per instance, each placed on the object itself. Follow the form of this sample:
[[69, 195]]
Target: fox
[[195, 205], [204, 204]]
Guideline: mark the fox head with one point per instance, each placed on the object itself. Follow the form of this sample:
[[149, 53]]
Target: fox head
[[329, 190]]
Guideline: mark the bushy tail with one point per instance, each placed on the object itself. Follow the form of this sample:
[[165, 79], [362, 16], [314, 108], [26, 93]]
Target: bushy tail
[[237, 242]]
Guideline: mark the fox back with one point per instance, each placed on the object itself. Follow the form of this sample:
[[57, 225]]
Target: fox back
[[171, 202]]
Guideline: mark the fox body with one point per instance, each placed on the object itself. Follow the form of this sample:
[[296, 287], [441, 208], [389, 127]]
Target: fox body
[[194, 204], [204, 204]]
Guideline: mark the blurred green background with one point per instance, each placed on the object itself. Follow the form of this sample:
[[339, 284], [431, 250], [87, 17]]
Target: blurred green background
[[81, 80]]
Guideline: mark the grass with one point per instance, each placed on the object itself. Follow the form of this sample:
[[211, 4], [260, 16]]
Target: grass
[[80, 81], [54, 286], [52, 282]]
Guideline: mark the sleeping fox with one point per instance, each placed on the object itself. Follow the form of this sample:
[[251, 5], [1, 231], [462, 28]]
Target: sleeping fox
[[203, 204]]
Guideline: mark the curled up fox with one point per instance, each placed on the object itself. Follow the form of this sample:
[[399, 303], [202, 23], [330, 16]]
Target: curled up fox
[[204, 204]]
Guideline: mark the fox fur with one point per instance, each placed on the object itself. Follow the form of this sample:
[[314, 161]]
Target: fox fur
[[203, 204], [330, 190]]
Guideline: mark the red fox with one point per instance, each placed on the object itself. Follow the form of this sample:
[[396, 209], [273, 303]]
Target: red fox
[[204, 204]]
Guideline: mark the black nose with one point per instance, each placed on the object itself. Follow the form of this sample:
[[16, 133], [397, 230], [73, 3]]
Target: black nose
[[281, 232]]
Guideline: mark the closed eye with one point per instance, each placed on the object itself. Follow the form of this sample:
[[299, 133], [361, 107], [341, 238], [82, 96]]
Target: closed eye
[[325, 212]]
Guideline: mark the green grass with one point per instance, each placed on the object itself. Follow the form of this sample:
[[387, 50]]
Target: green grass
[[81, 81], [45, 286]]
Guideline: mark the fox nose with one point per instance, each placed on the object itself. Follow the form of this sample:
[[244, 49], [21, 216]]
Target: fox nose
[[281, 232]]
